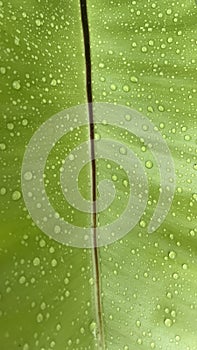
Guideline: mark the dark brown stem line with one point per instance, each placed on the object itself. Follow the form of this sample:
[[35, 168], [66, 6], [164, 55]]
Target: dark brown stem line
[[86, 35]]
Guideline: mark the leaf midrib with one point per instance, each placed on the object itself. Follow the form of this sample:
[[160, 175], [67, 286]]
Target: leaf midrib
[[95, 251]]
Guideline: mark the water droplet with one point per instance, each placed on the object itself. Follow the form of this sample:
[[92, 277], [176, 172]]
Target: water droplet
[[22, 280], [2, 146], [113, 87], [126, 88], [10, 126], [125, 183], [97, 136], [57, 229], [123, 150], [16, 84], [134, 79], [168, 322], [82, 330], [114, 177], [175, 275], [161, 108], [172, 254], [128, 117], [92, 328], [144, 49], [54, 263], [38, 22], [36, 261], [185, 266], [195, 166], [187, 138], [71, 157], [149, 164], [42, 243], [91, 281], [25, 346], [170, 40], [3, 191], [2, 70], [16, 195], [28, 176], [66, 280], [39, 318], [53, 82], [142, 223], [24, 122], [67, 293]]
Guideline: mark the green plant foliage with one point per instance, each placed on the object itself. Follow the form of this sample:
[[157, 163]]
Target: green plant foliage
[[144, 57]]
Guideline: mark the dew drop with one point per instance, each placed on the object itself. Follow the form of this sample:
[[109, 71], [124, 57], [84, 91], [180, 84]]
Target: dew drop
[[172, 254], [16, 84], [39, 318], [175, 275], [128, 117], [22, 280], [114, 177], [134, 79], [28, 176], [92, 328], [126, 88], [113, 87], [185, 266], [3, 191], [123, 150], [36, 261], [2, 146], [149, 164], [168, 322], [2, 70], [142, 223], [54, 262], [53, 82], [38, 22], [16, 195], [82, 330]]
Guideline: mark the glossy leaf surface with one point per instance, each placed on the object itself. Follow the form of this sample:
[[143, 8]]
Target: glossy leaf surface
[[143, 57]]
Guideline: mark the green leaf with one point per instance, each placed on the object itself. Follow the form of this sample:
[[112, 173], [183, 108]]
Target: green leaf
[[143, 58]]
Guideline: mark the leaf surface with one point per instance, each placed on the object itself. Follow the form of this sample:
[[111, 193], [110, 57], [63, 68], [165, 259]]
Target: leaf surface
[[143, 57]]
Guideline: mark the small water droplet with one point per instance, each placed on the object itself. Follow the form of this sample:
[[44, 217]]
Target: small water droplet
[[123, 150], [168, 322], [2, 70], [22, 280], [16, 84], [172, 254], [149, 164], [53, 82], [128, 117], [92, 328], [3, 191], [39, 317], [28, 176], [16, 195], [134, 79], [113, 87], [2, 146], [126, 88], [114, 177], [38, 22], [36, 261], [185, 266], [142, 223], [54, 262]]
